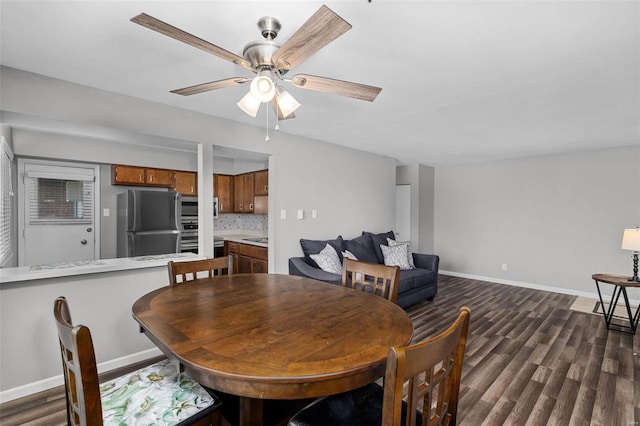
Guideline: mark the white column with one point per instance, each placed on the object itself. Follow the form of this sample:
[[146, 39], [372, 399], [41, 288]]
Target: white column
[[205, 199]]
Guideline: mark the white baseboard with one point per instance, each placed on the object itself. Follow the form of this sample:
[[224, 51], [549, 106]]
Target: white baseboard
[[593, 295], [52, 382]]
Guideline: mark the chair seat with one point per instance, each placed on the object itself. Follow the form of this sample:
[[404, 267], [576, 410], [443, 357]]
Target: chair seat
[[157, 394], [360, 407]]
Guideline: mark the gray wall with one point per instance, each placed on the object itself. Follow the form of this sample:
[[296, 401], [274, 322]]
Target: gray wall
[[553, 220], [422, 181], [350, 189]]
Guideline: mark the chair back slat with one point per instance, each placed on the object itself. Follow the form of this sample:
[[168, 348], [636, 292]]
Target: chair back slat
[[433, 370], [381, 279], [82, 387], [182, 272]]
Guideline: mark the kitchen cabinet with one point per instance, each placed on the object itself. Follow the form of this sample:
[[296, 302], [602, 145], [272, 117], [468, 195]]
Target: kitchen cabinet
[[159, 177], [261, 182], [247, 258], [186, 183], [223, 189], [127, 175], [243, 193]]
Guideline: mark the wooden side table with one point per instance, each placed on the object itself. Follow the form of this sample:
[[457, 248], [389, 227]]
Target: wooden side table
[[621, 283]]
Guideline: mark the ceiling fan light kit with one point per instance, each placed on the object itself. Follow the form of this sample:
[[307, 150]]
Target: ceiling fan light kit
[[271, 61]]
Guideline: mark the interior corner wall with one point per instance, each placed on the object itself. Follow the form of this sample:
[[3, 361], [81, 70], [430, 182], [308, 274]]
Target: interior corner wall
[[422, 181], [553, 221]]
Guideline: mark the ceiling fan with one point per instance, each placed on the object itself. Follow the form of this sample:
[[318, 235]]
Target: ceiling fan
[[270, 61]]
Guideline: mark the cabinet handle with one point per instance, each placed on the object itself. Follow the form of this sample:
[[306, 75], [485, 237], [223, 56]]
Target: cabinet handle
[[141, 178], [192, 189], [251, 206], [240, 206], [151, 178], [266, 188], [220, 207]]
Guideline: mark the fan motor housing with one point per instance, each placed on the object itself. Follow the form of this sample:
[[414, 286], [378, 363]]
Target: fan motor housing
[[259, 53]]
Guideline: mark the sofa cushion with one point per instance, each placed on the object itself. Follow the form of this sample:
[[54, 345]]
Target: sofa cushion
[[413, 278], [362, 248], [310, 247], [377, 240], [328, 260]]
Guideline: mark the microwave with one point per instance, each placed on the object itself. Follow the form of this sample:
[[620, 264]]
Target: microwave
[[190, 206]]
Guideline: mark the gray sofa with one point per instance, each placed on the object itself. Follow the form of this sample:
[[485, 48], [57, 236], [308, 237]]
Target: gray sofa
[[416, 285]]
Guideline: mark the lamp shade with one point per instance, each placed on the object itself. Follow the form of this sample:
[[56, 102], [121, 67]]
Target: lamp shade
[[287, 103], [631, 239], [249, 104]]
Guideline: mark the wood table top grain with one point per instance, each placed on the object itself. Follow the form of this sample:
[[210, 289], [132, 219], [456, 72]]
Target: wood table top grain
[[271, 336]]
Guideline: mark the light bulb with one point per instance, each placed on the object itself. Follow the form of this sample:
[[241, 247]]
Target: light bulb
[[262, 87]]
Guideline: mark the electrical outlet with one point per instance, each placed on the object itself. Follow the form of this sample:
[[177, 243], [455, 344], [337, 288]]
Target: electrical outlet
[[314, 214], [504, 266], [105, 212], [283, 214]]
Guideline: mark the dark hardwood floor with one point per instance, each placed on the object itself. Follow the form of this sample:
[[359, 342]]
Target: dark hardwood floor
[[530, 360]]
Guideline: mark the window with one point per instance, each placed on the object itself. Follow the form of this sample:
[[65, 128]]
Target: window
[[7, 200]]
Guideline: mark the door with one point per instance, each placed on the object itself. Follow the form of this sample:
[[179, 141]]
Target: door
[[403, 213], [58, 212]]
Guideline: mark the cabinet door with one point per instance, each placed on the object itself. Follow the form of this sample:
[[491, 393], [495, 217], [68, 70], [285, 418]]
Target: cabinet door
[[160, 177], [248, 180], [238, 193], [261, 182], [186, 183], [223, 189], [259, 267], [244, 265], [127, 175]]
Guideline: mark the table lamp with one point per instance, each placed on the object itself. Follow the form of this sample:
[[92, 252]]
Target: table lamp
[[631, 241]]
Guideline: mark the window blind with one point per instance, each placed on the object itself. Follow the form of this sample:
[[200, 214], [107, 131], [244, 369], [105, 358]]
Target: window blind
[[7, 200], [53, 198]]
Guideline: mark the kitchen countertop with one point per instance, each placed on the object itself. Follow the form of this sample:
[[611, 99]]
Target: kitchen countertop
[[241, 238], [54, 270]]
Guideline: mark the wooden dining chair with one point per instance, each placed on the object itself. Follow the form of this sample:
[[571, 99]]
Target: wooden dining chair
[[180, 272], [431, 370], [381, 279], [157, 394]]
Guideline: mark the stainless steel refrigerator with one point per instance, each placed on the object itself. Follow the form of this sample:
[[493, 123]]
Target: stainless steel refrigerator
[[148, 223]]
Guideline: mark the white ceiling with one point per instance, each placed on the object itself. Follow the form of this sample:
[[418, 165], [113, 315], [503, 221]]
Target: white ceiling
[[461, 81]]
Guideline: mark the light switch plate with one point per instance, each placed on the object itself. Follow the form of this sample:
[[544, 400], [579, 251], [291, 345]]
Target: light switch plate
[[105, 212], [300, 214], [283, 214]]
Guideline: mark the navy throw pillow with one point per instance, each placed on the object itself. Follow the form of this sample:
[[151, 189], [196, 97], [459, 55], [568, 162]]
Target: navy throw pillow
[[310, 247], [376, 240], [362, 248]]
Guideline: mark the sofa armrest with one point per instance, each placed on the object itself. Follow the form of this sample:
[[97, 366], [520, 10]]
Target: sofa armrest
[[298, 266], [430, 262]]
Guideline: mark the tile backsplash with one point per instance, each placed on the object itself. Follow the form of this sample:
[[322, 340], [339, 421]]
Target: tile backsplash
[[247, 222]]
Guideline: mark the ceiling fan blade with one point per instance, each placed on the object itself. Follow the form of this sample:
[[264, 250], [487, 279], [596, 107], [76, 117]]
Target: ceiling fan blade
[[176, 33], [338, 87], [321, 28], [278, 111], [212, 85]]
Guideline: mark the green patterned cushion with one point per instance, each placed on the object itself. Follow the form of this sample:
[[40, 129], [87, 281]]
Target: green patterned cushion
[[154, 395]]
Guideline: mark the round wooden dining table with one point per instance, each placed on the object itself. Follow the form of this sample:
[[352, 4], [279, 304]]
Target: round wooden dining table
[[271, 336]]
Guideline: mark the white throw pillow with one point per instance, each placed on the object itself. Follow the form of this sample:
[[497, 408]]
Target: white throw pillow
[[349, 255], [395, 256], [409, 253], [328, 260]]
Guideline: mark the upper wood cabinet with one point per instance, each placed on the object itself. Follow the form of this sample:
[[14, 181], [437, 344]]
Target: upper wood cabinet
[[186, 183], [146, 176], [223, 189], [261, 182], [127, 175], [243, 193], [160, 177]]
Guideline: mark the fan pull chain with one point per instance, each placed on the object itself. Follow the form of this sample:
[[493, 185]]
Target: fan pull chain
[[267, 138]]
